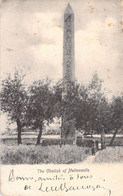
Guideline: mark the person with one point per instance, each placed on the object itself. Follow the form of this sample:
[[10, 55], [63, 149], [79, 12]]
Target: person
[[60, 143], [79, 137], [97, 144], [93, 149]]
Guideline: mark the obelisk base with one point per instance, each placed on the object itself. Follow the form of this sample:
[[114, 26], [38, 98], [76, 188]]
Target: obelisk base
[[67, 131]]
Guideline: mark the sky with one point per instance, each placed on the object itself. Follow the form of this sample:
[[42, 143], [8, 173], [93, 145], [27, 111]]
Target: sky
[[32, 36]]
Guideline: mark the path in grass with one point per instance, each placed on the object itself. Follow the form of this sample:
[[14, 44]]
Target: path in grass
[[91, 158]]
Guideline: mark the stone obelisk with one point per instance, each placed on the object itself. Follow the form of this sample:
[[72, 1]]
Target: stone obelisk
[[68, 128], [68, 45]]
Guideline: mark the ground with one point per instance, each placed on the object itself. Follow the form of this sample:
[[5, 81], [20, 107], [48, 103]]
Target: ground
[[31, 154], [28, 153], [66, 154]]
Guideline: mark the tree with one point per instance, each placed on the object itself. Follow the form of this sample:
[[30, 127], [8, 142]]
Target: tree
[[116, 116], [83, 109], [91, 108], [40, 107], [84, 103], [14, 100], [66, 101]]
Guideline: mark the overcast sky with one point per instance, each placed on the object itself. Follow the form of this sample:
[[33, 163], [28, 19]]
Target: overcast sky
[[32, 35]]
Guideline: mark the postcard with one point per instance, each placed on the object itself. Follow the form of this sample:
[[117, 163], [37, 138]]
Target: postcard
[[61, 95]]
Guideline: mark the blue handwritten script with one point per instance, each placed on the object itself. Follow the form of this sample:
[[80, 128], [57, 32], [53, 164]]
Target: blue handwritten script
[[60, 180], [66, 188]]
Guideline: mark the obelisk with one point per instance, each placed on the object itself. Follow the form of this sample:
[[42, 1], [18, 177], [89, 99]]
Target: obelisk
[[68, 45], [68, 128]]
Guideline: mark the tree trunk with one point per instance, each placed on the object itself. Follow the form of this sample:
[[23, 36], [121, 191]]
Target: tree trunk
[[112, 139], [39, 135], [19, 131], [103, 146]]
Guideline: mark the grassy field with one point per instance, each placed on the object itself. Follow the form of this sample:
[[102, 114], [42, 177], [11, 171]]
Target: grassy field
[[31, 154], [67, 154], [28, 153], [110, 155]]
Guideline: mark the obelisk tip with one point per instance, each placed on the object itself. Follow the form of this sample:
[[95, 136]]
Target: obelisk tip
[[68, 9]]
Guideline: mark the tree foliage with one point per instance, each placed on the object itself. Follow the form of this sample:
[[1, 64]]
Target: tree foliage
[[87, 105], [40, 106], [116, 119], [14, 100]]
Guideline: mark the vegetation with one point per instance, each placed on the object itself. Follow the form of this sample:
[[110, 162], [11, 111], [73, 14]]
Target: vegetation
[[24, 154], [88, 105], [14, 100], [40, 106], [116, 116], [110, 155], [42, 102]]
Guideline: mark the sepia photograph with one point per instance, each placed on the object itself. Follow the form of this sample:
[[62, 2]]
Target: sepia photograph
[[61, 92]]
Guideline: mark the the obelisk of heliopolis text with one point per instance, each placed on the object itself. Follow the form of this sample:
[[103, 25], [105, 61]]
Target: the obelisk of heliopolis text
[[68, 128]]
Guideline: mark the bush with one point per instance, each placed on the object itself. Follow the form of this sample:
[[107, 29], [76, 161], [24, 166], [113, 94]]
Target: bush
[[110, 155], [24, 154]]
